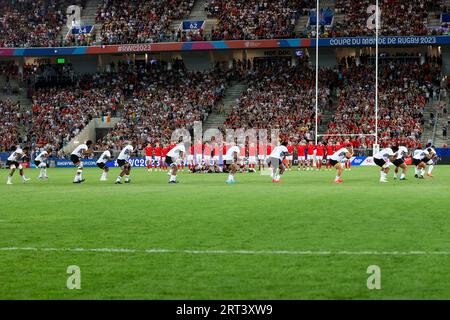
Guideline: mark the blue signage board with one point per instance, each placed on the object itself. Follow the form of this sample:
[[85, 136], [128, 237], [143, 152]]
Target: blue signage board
[[82, 30], [193, 25]]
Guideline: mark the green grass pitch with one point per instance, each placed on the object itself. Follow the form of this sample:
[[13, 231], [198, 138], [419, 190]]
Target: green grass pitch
[[245, 241]]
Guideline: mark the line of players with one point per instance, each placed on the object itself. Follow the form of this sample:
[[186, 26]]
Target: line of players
[[279, 159], [201, 155]]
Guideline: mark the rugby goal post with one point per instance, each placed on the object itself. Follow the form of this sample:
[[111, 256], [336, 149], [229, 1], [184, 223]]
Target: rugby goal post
[[376, 27], [376, 149]]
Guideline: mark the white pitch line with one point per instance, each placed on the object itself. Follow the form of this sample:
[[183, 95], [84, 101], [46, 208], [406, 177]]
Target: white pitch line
[[233, 252]]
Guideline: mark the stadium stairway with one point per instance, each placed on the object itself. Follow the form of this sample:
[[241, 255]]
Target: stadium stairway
[[89, 133], [428, 131], [17, 94], [301, 24], [328, 4], [339, 18], [215, 120], [434, 19], [198, 13], [88, 16], [327, 116], [439, 139]]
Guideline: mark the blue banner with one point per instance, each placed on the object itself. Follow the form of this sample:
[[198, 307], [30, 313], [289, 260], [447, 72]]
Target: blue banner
[[135, 162], [4, 156], [87, 163], [446, 17], [443, 152], [193, 25], [82, 30], [383, 41]]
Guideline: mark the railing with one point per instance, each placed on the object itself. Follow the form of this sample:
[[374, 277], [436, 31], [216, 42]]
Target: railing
[[436, 119]]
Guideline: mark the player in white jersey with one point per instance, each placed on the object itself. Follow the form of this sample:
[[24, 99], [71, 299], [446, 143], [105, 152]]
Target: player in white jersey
[[13, 163], [122, 161], [230, 160], [101, 163], [400, 162], [275, 160], [420, 158], [172, 158], [431, 157], [79, 152], [41, 162], [335, 161], [381, 159]]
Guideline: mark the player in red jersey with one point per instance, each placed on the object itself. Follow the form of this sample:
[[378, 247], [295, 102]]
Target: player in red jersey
[[165, 151], [158, 156], [198, 153], [301, 158], [149, 157], [224, 152], [207, 150], [252, 157], [191, 159], [242, 156], [329, 147], [215, 153], [320, 153], [290, 157], [348, 162], [310, 148], [269, 150], [261, 156]]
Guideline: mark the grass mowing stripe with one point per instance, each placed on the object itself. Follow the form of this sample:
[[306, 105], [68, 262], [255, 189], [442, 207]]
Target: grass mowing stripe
[[235, 252]]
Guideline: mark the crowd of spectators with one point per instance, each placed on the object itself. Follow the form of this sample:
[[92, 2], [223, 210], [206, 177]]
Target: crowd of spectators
[[153, 99], [282, 96], [33, 23], [397, 17], [60, 113], [13, 117], [167, 100], [405, 87], [27, 23], [135, 21], [255, 19]]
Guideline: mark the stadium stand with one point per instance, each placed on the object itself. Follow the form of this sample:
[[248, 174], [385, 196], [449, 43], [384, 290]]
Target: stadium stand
[[398, 17], [165, 101], [256, 19], [33, 23], [38, 23], [135, 21], [153, 100], [405, 88], [10, 121], [281, 96]]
